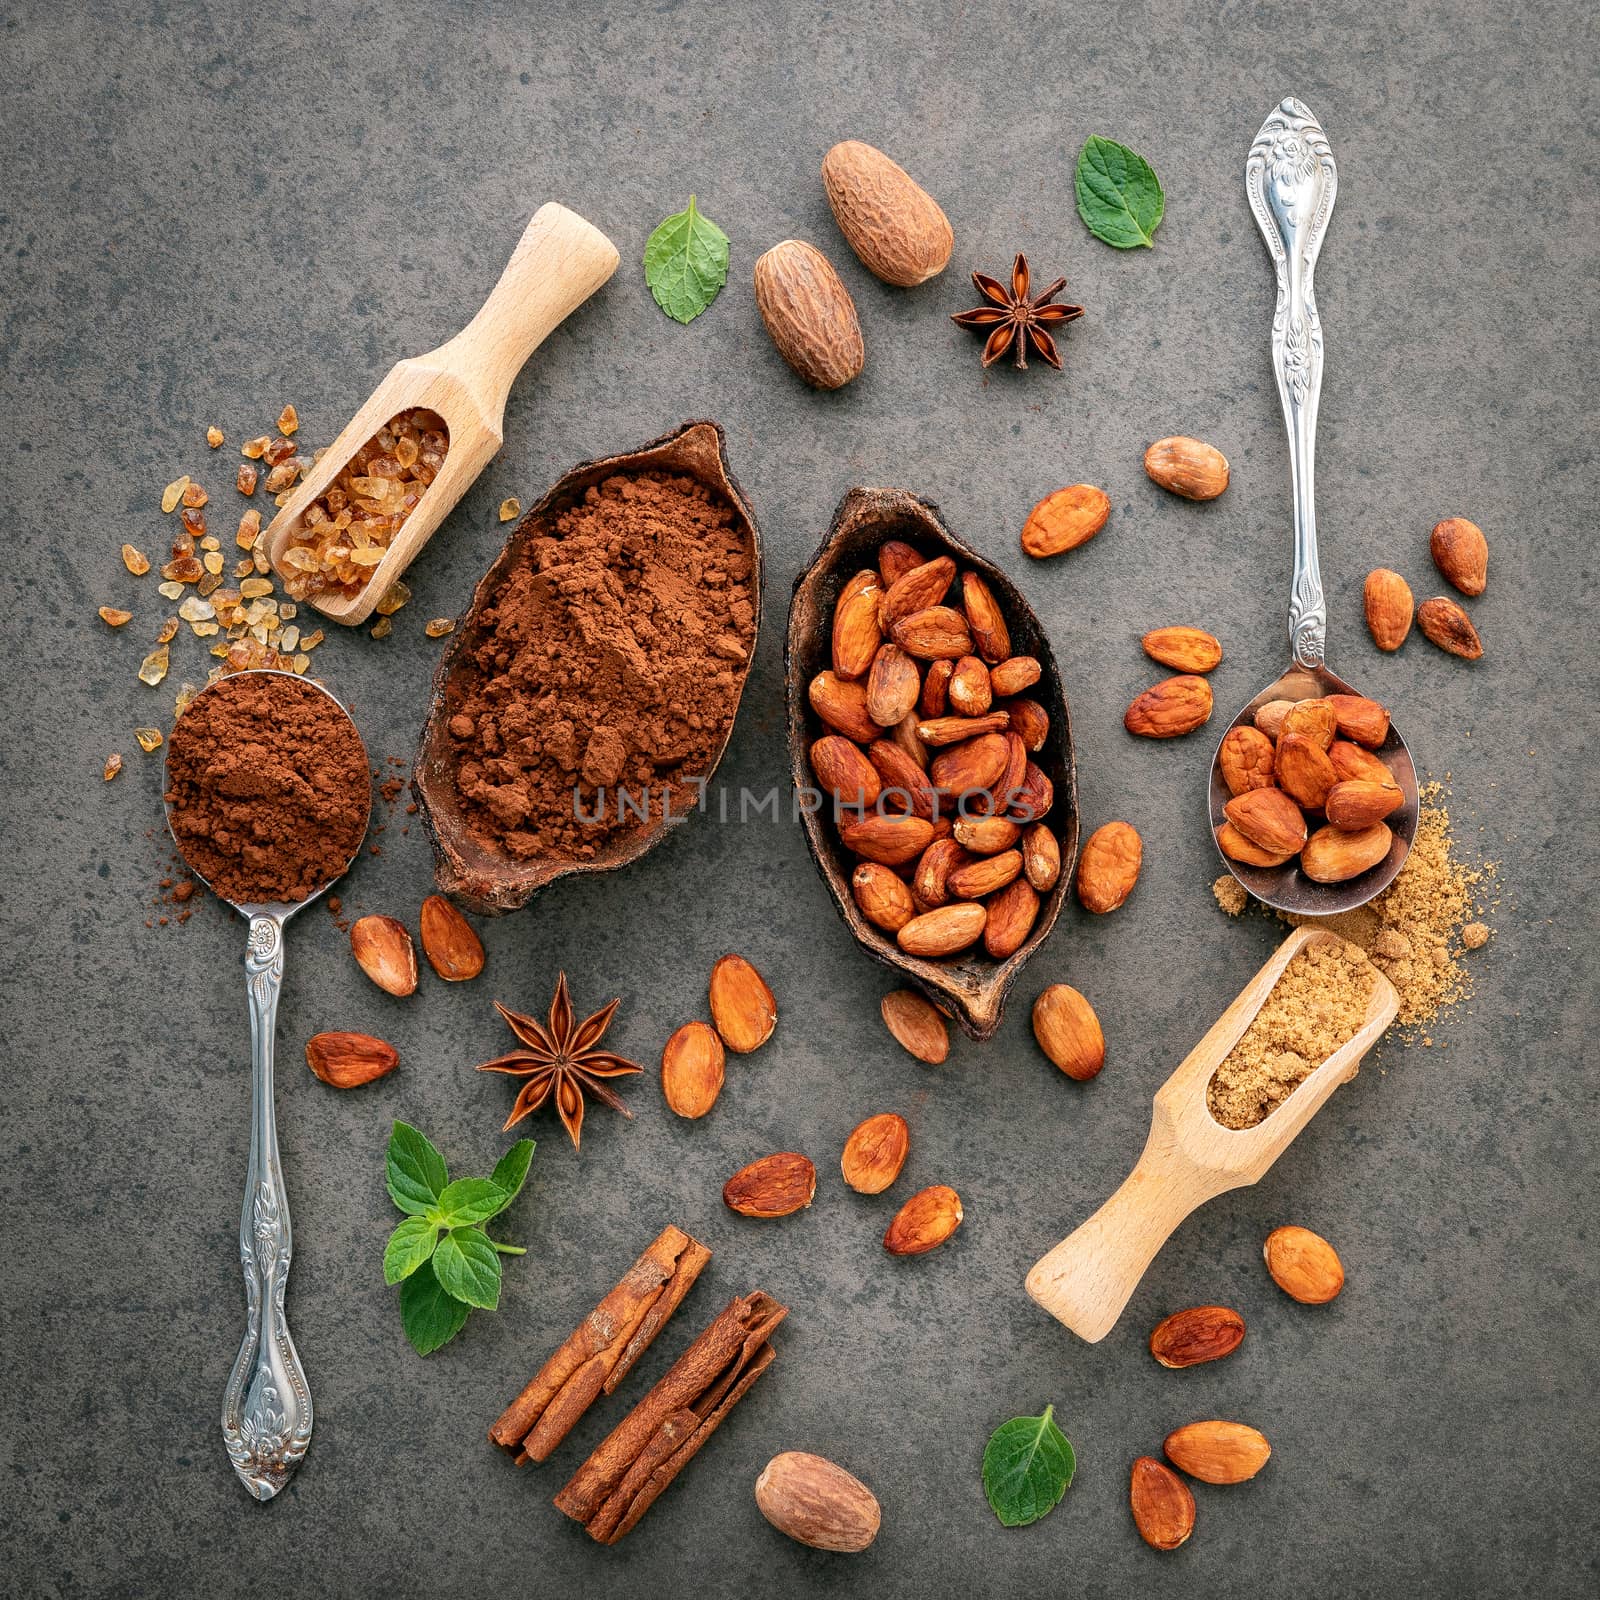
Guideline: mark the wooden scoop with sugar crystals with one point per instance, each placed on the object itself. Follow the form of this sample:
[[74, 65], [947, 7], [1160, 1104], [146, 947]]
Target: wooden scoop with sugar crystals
[[1190, 1157], [559, 262]]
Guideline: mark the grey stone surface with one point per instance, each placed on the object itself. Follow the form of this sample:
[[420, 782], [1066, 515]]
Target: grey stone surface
[[210, 210]]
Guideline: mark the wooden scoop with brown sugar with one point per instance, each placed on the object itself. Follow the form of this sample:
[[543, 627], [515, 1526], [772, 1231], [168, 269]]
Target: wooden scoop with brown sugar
[[1190, 1157], [391, 506]]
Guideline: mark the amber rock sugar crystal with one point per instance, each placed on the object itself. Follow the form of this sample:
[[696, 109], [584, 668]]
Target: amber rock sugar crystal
[[347, 530]]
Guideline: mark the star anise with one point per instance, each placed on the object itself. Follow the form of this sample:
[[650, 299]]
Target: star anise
[[1015, 320], [561, 1060]]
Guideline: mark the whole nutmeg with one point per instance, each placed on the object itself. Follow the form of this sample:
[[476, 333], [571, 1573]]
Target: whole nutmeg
[[893, 224], [809, 314], [1304, 1265], [1069, 1032], [817, 1503]]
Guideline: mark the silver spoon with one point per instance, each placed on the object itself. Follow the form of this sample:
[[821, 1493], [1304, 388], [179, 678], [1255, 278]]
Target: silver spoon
[[1291, 180], [266, 1408]]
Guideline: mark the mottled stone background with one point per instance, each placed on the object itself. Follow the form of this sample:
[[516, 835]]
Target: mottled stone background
[[209, 210]]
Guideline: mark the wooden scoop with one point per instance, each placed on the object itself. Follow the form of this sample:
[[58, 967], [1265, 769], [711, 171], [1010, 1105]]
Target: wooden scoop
[[1190, 1158], [560, 261]]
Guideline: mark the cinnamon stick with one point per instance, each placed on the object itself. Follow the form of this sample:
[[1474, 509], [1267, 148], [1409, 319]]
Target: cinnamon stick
[[652, 1444], [602, 1348]]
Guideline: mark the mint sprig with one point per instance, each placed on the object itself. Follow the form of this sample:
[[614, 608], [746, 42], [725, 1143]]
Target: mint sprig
[[686, 263], [1027, 1467], [1119, 195], [443, 1260]]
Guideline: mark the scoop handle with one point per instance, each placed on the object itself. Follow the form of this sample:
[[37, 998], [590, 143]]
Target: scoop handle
[[559, 262], [1091, 1275], [1292, 181]]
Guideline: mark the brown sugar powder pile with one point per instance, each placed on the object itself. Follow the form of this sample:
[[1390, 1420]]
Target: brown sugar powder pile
[[1417, 929], [1318, 1004], [267, 788], [606, 669]]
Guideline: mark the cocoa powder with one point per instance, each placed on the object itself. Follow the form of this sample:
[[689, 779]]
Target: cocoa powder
[[267, 788], [605, 671]]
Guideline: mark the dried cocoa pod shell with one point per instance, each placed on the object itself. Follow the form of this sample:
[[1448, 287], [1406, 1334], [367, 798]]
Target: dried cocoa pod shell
[[809, 314], [1064, 520], [773, 1186]]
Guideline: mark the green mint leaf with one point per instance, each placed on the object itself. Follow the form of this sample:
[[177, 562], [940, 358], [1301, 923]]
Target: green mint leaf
[[416, 1172], [431, 1317], [511, 1169], [1027, 1466], [686, 263], [1119, 194], [468, 1267], [409, 1246], [470, 1200]]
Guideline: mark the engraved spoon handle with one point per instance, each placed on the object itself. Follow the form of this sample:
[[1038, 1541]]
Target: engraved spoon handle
[[266, 1410], [1291, 179]]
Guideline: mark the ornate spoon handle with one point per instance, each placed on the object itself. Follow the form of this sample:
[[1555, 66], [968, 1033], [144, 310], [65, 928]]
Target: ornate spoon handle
[[1292, 180], [266, 1410]]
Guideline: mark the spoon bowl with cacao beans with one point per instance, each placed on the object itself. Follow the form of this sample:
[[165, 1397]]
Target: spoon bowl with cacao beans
[[1313, 789]]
